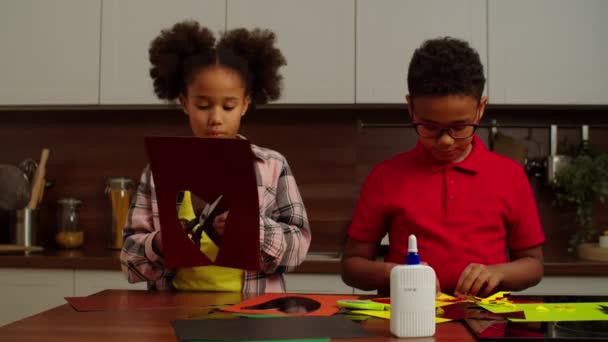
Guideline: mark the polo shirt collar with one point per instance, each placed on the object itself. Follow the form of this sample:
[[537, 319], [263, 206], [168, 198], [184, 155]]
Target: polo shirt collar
[[473, 163]]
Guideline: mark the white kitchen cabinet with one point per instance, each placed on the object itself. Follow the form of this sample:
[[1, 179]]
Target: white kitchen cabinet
[[87, 282], [389, 31], [317, 38], [548, 51], [128, 27], [316, 283], [25, 292], [50, 52]]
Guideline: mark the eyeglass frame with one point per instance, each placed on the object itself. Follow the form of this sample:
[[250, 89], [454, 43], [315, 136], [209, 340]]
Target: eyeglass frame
[[446, 128]]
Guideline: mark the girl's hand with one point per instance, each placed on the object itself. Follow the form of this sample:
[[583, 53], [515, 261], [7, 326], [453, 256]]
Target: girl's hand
[[219, 223], [477, 277], [157, 244]]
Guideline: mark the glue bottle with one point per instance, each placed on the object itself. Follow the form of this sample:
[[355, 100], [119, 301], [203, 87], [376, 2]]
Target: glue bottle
[[412, 296]]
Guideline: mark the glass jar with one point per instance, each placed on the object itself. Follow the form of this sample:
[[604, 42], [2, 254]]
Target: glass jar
[[119, 190], [69, 234]]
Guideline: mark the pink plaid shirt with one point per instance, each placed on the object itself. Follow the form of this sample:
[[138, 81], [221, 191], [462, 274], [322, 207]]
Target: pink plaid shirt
[[284, 229]]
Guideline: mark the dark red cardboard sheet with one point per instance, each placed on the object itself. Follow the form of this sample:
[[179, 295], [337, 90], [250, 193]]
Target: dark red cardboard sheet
[[209, 168], [272, 328]]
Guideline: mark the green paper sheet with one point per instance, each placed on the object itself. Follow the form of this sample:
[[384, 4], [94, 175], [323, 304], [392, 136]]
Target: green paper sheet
[[553, 312]]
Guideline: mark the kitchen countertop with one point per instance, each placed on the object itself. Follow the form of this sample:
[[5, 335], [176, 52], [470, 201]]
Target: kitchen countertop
[[316, 262], [107, 259]]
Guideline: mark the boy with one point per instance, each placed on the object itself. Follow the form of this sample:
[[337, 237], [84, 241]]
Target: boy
[[472, 211]]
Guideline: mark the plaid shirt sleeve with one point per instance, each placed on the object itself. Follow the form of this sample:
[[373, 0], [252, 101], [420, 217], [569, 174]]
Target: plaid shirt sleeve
[[284, 228], [139, 261]]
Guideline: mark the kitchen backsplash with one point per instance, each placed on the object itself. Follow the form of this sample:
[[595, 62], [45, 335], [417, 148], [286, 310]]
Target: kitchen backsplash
[[330, 150]]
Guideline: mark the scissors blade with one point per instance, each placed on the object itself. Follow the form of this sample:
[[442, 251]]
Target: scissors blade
[[209, 209]]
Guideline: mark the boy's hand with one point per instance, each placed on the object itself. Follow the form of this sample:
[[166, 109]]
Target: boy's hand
[[219, 223], [476, 277]]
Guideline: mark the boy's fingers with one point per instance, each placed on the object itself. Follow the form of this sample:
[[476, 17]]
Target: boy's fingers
[[478, 283], [490, 286], [437, 287], [467, 278]]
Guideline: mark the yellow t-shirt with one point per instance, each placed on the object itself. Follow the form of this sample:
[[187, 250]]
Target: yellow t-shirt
[[205, 278]]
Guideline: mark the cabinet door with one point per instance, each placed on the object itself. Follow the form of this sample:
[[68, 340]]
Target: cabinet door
[[50, 52], [316, 283], [548, 51], [87, 282], [317, 39], [25, 292], [389, 31], [128, 27]]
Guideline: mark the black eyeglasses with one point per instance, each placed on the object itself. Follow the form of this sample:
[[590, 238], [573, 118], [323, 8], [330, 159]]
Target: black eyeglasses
[[456, 131]]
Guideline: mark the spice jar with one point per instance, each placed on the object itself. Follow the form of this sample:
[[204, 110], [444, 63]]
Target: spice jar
[[119, 190], [70, 234]]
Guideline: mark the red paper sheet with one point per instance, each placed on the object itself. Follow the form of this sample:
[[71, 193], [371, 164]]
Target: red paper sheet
[[328, 305], [144, 300]]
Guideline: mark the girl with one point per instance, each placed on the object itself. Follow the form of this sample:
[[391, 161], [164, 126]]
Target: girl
[[215, 85]]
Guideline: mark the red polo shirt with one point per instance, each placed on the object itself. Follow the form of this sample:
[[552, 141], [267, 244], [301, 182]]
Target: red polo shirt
[[461, 213]]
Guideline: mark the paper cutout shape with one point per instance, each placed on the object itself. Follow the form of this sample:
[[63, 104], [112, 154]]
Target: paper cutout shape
[[208, 168], [451, 308], [387, 315], [327, 303], [288, 305]]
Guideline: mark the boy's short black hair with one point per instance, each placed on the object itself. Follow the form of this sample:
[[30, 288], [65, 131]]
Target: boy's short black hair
[[445, 66]]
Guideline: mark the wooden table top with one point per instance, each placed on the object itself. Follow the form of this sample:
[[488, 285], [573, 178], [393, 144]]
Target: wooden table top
[[63, 323]]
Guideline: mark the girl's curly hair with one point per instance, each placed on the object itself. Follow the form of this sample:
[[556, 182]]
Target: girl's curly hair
[[177, 53], [445, 66]]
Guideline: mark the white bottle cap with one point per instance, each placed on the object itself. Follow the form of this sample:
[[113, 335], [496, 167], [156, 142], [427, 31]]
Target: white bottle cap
[[412, 245]]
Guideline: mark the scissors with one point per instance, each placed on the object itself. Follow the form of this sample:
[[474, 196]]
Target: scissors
[[196, 227]]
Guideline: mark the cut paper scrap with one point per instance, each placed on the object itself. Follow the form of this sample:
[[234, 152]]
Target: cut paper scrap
[[441, 300], [445, 299], [290, 304], [387, 315], [554, 312], [497, 298]]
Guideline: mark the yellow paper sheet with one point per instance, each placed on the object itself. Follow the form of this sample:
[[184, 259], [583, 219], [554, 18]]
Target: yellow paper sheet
[[553, 312]]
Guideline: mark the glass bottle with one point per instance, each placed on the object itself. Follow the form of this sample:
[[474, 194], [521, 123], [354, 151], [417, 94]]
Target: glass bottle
[[70, 234], [119, 191]]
